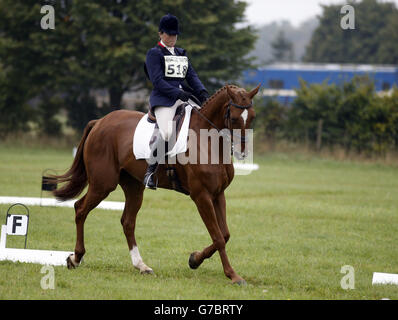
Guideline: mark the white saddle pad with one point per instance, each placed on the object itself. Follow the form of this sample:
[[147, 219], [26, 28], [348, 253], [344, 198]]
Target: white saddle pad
[[144, 131]]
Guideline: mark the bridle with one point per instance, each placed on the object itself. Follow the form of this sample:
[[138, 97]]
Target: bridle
[[227, 121]]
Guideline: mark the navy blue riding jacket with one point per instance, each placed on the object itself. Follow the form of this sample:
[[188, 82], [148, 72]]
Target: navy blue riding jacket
[[167, 75]]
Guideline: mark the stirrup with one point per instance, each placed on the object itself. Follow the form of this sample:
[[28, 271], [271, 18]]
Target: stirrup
[[149, 183]]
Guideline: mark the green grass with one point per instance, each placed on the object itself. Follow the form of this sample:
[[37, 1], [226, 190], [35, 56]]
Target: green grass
[[294, 223]]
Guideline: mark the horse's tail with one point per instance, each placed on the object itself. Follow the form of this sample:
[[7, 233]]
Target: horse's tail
[[76, 176]]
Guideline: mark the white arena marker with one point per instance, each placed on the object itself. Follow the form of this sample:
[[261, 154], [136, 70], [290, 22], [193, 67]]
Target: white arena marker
[[3, 237], [246, 166], [45, 257], [384, 278], [16, 226], [108, 205]]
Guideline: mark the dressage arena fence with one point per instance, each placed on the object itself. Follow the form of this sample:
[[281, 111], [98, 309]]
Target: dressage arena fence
[[17, 224]]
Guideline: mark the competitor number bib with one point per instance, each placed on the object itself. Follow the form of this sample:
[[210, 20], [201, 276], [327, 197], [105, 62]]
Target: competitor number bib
[[175, 66]]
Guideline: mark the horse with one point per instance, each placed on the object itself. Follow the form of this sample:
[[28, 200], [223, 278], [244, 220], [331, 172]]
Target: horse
[[105, 159]]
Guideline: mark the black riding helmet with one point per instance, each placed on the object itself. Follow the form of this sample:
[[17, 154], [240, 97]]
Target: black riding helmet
[[169, 24]]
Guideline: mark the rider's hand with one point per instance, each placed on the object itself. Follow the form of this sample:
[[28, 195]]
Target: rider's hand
[[203, 96], [184, 96]]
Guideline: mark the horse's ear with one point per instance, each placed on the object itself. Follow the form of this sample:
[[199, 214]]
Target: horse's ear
[[254, 91], [231, 94]]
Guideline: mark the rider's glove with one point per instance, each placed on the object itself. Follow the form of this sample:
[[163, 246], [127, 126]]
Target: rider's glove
[[184, 96], [203, 96]]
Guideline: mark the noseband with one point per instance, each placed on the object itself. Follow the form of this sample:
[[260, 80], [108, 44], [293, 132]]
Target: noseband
[[228, 120]]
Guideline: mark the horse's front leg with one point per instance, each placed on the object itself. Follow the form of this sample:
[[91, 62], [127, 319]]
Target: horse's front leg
[[207, 211], [196, 258]]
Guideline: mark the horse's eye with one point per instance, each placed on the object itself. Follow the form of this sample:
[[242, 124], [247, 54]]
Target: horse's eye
[[234, 120]]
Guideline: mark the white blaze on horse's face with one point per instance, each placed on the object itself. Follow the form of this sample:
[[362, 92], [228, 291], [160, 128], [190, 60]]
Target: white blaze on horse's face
[[244, 115]]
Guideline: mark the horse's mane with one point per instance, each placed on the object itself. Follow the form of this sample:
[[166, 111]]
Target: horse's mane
[[217, 93]]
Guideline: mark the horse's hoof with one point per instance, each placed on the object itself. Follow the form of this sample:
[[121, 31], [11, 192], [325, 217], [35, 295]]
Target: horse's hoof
[[242, 283], [69, 263], [149, 271], [192, 262]]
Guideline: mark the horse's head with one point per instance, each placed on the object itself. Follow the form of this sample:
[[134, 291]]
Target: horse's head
[[239, 116]]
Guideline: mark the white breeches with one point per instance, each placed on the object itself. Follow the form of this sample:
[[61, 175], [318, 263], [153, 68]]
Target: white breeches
[[164, 118]]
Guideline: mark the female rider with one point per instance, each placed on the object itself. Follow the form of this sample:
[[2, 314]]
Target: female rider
[[167, 67]]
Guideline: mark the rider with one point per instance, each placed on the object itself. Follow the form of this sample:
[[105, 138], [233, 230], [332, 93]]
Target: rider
[[167, 67]]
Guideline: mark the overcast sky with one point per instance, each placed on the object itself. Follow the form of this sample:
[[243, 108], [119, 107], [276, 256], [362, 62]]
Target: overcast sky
[[296, 11]]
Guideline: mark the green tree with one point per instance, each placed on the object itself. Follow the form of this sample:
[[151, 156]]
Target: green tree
[[14, 110], [369, 42], [313, 116], [350, 115], [384, 119], [102, 44], [392, 101], [270, 118], [388, 49], [282, 48], [358, 98], [34, 64], [110, 39]]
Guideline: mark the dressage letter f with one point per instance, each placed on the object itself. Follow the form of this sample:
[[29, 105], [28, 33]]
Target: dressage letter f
[[16, 224]]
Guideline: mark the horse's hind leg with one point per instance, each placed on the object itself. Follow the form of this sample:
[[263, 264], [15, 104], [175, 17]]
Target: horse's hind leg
[[134, 191], [82, 208]]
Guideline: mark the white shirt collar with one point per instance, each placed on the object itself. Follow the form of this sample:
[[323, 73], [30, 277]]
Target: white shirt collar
[[171, 49]]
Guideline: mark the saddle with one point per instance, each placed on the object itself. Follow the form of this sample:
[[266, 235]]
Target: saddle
[[171, 170], [178, 117]]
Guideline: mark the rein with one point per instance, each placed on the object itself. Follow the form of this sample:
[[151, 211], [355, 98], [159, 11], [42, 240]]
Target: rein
[[228, 120]]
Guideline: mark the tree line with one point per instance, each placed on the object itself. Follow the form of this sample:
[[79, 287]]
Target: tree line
[[100, 46], [374, 39], [351, 115]]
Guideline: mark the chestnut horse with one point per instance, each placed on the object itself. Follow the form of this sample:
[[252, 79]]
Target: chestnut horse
[[105, 159]]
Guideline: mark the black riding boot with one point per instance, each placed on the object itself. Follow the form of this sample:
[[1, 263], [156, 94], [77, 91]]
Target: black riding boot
[[150, 180], [157, 152]]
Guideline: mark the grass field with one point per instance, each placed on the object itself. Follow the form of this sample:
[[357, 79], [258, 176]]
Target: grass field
[[294, 223]]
